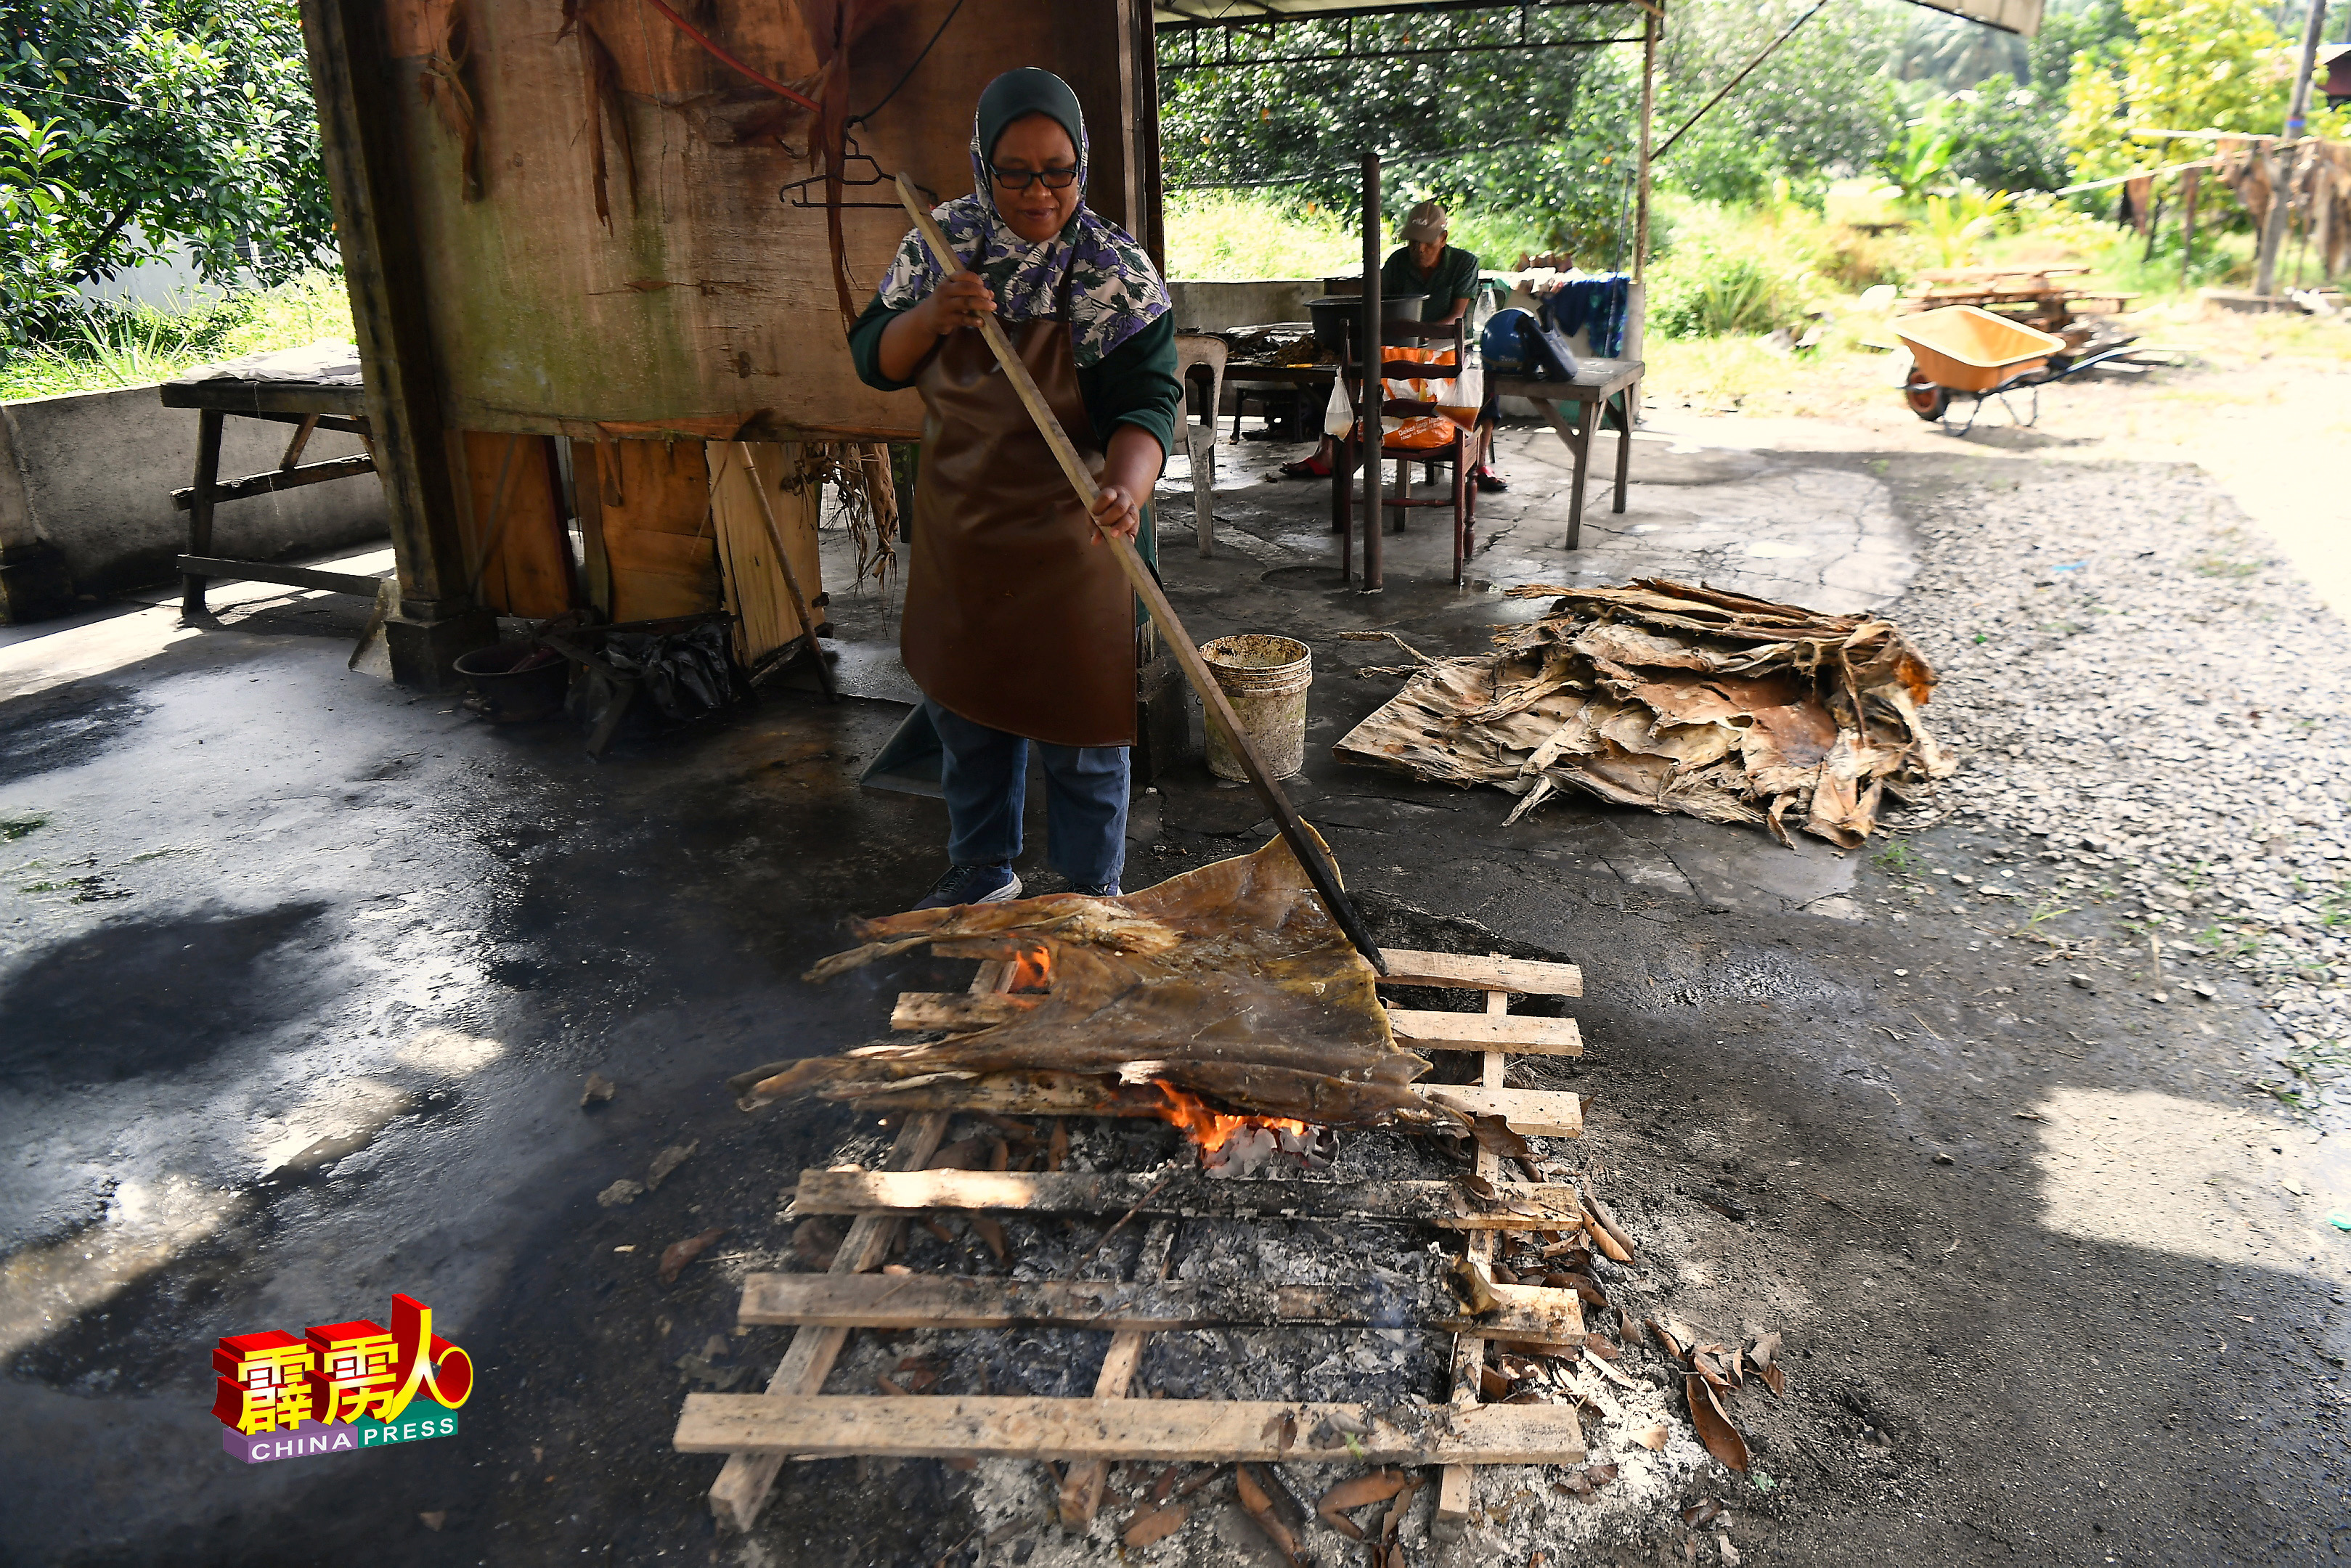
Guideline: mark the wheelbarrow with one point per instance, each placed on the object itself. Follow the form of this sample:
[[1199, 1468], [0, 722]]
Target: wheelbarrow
[[1963, 351]]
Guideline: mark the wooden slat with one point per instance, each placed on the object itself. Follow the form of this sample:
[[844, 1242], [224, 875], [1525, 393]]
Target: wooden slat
[[956, 1010], [516, 549], [278, 479], [1525, 1205], [1468, 972], [1081, 1490], [1531, 1113], [1454, 1487], [659, 554], [270, 572], [986, 1301], [1158, 1430], [756, 593], [1511, 1032]]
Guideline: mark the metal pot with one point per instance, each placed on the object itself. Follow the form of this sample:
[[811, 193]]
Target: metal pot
[[1332, 309]]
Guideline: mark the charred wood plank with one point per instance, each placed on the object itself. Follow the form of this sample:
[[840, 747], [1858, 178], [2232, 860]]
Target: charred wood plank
[[1515, 1205], [1160, 1430]]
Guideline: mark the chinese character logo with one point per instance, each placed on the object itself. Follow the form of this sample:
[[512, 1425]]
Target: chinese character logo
[[357, 1373]]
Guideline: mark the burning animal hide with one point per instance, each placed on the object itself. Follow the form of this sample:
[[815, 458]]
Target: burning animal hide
[[1231, 983], [1678, 699]]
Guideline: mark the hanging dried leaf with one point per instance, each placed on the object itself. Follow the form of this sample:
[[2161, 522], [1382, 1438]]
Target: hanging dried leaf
[[1714, 1428]]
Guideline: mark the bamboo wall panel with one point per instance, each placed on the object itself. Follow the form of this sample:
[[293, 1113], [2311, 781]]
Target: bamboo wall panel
[[706, 305]]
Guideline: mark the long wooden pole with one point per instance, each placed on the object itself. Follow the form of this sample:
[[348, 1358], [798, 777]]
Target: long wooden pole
[[791, 578], [1303, 843]]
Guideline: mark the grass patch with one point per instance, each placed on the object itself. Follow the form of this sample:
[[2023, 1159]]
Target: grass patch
[[1229, 236], [14, 828], [142, 345]]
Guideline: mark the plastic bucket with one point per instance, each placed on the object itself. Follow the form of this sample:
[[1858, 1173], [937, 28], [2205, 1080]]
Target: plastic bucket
[[517, 682], [1264, 677]]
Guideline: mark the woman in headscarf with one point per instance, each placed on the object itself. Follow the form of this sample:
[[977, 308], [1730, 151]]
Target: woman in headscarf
[[1020, 626]]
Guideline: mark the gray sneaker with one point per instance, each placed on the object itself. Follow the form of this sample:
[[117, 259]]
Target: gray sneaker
[[973, 884]]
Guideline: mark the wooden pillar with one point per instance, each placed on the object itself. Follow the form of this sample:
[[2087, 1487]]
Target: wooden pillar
[[1368, 423], [355, 82], [1653, 16]]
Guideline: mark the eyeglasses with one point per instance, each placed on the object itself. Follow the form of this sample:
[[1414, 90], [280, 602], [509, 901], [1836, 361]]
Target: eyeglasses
[[1019, 179]]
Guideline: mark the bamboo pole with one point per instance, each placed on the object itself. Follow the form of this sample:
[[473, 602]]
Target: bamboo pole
[[1304, 844], [1371, 426], [791, 578]]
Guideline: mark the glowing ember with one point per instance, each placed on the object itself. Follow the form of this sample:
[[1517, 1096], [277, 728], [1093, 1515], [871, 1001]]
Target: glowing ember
[[1032, 969], [1213, 1129]]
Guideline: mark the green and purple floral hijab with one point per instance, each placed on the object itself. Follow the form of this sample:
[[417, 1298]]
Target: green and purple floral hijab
[[1114, 291]]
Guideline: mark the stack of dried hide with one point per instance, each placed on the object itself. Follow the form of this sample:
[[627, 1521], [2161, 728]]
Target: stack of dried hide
[[1678, 699]]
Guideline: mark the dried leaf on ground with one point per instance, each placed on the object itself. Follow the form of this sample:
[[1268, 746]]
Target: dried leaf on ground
[[668, 1160], [1259, 1503], [679, 1254], [1666, 1340], [1377, 1487], [620, 1192], [1394, 1519], [1714, 1428], [1152, 1524], [991, 1232], [1651, 1436], [1764, 1351], [599, 1089], [1677, 698]]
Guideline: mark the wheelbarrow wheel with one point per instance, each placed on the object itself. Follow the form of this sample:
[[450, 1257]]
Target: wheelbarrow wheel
[[1927, 400]]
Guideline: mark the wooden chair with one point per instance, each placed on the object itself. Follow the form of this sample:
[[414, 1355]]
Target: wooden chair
[[1462, 454]]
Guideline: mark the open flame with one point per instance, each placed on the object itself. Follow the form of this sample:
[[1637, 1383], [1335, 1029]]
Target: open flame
[[1032, 969], [1213, 1129]]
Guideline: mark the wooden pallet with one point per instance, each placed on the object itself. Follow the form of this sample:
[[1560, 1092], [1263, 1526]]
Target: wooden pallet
[[796, 1420]]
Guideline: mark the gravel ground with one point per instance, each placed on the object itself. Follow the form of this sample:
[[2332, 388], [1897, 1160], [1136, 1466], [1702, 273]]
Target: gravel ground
[[2152, 704]]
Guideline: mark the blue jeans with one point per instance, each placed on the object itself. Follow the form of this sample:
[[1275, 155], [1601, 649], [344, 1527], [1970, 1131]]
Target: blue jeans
[[985, 774]]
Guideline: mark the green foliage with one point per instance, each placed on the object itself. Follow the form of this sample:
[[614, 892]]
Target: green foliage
[[1816, 108], [1245, 235], [1537, 134], [133, 126], [1737, 271], [2193, 65], [116, 347], [1957, 223], [2005, 137], [1920, 160]]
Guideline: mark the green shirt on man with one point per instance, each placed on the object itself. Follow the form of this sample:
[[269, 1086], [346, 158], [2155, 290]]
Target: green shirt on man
[[1454, 277]]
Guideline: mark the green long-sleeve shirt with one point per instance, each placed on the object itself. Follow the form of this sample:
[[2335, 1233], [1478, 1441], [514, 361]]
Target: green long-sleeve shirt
[[1454, 277], [1134, 383]]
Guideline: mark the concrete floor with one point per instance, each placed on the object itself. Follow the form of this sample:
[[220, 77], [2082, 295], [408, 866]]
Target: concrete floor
[[300, 974]]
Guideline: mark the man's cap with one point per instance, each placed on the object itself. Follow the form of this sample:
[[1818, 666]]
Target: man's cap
[[1426, 224]]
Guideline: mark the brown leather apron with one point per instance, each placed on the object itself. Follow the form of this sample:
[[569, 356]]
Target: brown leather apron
[[1017, 618]]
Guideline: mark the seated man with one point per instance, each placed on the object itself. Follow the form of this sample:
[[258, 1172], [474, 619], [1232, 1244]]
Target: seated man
[[1447, 278]]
